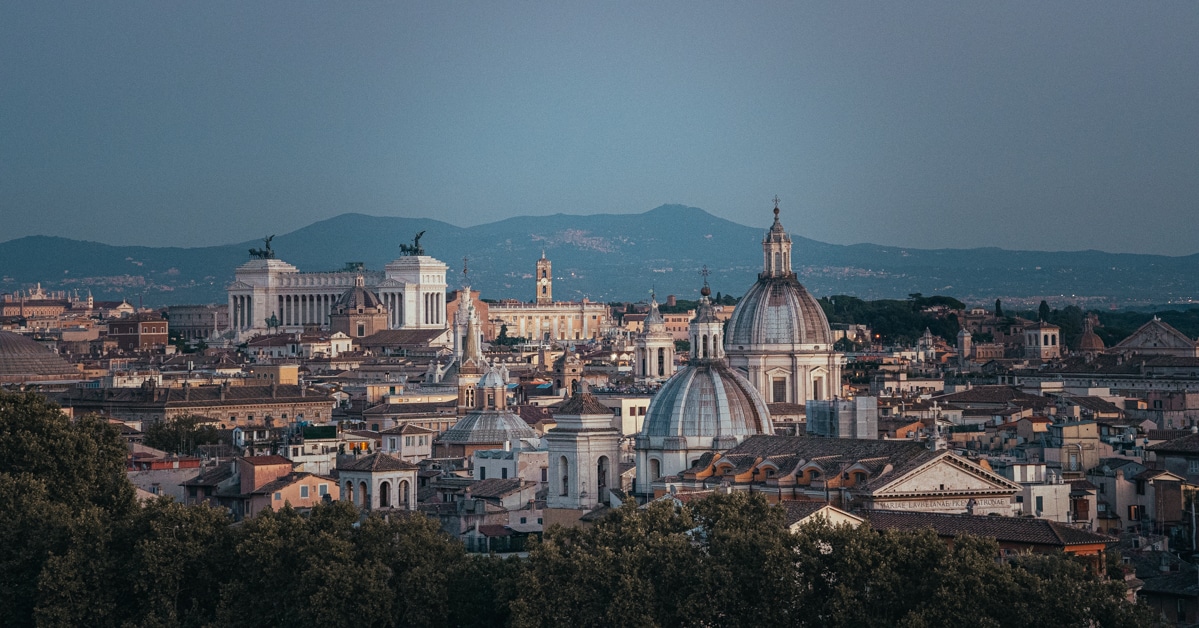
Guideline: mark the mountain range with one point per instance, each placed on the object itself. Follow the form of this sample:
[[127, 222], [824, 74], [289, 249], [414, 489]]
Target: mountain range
[[608, 257]]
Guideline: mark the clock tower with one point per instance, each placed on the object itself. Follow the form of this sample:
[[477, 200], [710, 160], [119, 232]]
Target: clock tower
[[545, 281]]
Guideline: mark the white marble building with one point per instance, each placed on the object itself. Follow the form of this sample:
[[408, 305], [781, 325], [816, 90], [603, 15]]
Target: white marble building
[[412, 288]]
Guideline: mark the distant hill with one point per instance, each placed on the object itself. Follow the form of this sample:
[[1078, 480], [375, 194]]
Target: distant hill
[[610, 257]]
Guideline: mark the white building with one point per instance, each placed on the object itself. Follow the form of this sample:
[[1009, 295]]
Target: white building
[[412, 288]]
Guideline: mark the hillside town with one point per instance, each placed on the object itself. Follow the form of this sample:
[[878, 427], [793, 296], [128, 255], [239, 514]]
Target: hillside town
[[404, 391]]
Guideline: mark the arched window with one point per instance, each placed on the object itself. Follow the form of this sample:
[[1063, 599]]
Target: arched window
[[601, 475], [364, 497], [349, 496], [385, 495], [655, 468], [403, 497], [564, 467]]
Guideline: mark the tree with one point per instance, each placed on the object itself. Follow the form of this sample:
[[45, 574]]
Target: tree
[[998, 309], [1043, 311], [182, 434], [63, 492]]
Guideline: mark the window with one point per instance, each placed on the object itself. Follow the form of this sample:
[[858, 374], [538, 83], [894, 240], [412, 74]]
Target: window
[[545, 474], [482, 473], [322, 490], [407, 441], [392, 444], [1193, 465], [1134, 513], [538, 519], [1040, 503], [504, 473], [1019, 499], [278, 497], [303, 492]]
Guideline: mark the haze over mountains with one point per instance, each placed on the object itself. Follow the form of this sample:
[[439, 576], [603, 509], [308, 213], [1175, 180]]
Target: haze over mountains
[[608, 257]]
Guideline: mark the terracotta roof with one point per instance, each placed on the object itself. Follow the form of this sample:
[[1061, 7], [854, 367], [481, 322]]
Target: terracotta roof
[[408, 428], [1095, 404], [284, 482], [378, 461], [410, 409], [534, 414], [494, 530], [1002, 529]]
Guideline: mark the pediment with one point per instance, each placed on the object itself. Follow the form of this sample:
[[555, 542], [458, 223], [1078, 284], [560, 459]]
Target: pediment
[[390, 283], [239, 285], [1157, 335], [944, 474]]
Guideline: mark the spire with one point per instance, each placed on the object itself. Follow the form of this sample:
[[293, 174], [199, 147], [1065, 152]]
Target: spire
[[707, 342], [776, 248]]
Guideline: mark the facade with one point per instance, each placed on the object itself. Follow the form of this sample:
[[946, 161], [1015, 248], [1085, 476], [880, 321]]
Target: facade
[[139, 332], [411, 288], [198, 322], [545, 319], [1158, 338], [1041, 341], [778, 337], [228, 406]]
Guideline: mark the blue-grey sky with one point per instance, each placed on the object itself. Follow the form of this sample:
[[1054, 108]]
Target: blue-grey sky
[[1047, 125]]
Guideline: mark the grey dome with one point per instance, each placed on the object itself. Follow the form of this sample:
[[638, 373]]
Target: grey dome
[[487, 427], [777, 310], [357, 297], [707, 399], [24, 360]]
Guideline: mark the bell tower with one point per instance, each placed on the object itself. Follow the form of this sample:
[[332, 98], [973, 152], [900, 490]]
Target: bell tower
[[545, 281], [776, 248]]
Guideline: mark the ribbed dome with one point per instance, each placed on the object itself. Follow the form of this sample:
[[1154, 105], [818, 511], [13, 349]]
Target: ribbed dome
[[357, 297], [707, 399], [777, 310], [1090, 341], [23, 360], [487, 427]]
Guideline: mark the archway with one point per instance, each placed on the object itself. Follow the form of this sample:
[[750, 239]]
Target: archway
[[364, 498], [403, 498], [385, 495]]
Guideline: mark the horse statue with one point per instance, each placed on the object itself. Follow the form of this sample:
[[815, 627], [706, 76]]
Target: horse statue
[[264, 253], [414, 248]]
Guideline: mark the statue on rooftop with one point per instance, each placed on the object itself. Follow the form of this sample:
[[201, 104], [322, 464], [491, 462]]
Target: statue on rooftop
[[264, 253], [413, 249]]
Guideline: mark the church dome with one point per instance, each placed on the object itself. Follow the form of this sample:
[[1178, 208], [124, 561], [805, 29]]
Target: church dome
[[487, 427], [357, 297], [710, 400], [24, 360], [778, 310]]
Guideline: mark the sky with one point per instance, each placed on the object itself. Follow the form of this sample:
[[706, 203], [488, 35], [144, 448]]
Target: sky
[[1045, 126]]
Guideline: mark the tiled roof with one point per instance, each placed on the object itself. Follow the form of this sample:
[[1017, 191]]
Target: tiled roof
[[534, 414], [493, 488], [583, 403], [799, 510], [283, 482], [1188, 444], [378, 461], [996, 395], [410, 409], [408, 428], [401, 338], [832, 454], [494, 530], [1095, 404], [785, 408], [260, 460], [1002, 529], [195, 396], [212, 477]]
